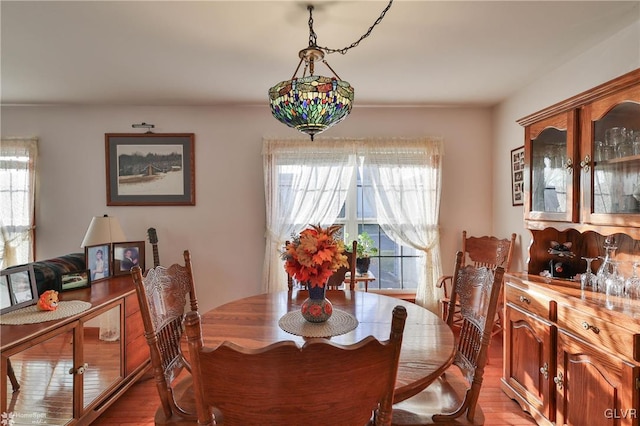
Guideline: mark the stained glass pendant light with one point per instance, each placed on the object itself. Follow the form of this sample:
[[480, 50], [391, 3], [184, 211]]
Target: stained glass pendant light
[[313, 103]]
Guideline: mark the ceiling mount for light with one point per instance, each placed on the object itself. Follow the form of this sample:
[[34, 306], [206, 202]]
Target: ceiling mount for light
[[313, 103]]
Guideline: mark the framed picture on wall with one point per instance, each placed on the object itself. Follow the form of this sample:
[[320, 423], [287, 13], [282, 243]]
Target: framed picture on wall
[[517, 176], [126, 256], [150, 169], [98, 261]]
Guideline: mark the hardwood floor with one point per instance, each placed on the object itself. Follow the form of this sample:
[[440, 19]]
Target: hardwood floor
[[138, 405]]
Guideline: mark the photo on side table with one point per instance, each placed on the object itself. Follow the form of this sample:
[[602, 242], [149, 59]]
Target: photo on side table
[[127, 255], [98, 261], [75, 280], [17, 288]]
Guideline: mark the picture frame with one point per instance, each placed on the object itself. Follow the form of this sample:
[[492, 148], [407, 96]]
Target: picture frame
[[98, 261], [150, 169], [126, 255], [517, 176], [75, 280], [18, 288]]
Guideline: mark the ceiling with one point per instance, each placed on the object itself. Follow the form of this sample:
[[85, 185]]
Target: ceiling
[[473, 53]]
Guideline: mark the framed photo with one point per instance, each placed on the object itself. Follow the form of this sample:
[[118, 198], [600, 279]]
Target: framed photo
[[75, 280], [98, 261], [517, 176], [17, 288], [126, 256], [150, 169]]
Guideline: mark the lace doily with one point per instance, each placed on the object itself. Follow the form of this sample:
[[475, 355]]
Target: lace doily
[[32, 315], [340, 322]]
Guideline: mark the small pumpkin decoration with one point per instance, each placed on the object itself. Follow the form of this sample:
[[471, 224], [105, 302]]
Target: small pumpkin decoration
[[48, 301]]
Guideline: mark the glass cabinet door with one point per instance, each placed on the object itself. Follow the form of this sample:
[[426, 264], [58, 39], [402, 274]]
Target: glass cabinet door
[[549, 180], [46, 387], [611, 134], [102, 349]]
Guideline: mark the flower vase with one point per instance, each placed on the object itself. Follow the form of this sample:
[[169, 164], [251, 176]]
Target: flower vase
[[316, 308]]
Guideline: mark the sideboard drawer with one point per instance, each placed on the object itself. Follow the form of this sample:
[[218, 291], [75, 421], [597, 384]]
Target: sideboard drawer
[[604, 334], [535, 303]]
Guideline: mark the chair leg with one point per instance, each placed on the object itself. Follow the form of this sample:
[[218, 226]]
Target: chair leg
[[12, 377]]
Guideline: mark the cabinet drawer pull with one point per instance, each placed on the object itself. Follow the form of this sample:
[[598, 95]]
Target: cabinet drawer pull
[[80, 369], [545, 370], [588, 326], [584, 164], [524, 299], [569, 166], [559, 381]]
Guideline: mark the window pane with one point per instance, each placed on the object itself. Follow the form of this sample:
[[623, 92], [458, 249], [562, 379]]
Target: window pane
[[366, 210], [395, 266]]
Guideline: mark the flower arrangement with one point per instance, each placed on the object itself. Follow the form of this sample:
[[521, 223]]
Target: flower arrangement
[[314, 255]]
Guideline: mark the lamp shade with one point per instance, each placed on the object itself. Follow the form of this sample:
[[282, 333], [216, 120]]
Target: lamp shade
[[311, 104], [102, 230]]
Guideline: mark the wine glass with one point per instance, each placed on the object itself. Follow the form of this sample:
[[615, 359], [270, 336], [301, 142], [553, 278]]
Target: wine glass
[[632, 284], [588, 279], [614, 284]]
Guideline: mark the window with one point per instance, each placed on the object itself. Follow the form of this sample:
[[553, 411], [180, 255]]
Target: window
[[396, 265], [17, 200], [389, 187]]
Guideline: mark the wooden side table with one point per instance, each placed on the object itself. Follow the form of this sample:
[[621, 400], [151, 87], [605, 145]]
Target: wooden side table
[[361, 278]]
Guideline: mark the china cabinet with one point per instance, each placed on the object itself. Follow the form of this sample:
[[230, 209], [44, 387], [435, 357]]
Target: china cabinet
[[70, 370], [572, 356]]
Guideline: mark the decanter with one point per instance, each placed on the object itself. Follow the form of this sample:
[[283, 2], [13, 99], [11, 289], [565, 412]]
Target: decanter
[[608, 267]]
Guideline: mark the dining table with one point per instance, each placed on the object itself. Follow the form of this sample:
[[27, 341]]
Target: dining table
[[428, 344]]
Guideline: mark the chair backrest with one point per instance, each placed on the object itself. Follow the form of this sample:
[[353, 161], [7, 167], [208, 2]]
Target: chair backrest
[[330, 383], [338, 277], [162, 294], [477, 290], [488, 251]]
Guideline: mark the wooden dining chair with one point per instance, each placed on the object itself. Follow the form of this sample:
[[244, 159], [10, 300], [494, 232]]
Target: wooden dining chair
[[338, 277], [487, 251], [453, 397], [330, 383], [162, 294]]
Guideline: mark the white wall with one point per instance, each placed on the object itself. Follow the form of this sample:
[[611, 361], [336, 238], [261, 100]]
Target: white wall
[[605, 61], [225, 230]]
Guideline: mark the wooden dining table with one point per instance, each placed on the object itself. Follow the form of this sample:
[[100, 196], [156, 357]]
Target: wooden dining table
[[427, 346]]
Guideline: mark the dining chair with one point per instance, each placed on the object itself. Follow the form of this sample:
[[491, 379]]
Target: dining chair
[[487, 251], [162, 295], [338, 277], [453, 397], [330, 383]]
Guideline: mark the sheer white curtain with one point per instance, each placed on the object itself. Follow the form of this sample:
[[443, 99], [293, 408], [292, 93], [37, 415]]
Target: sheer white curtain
[[406, 177], [17, 199], [305, 183]]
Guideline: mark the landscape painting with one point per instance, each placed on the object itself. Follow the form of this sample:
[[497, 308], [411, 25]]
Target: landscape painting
[[150, 169]]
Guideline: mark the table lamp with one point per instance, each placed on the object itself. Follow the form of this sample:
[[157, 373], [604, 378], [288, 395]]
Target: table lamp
[[102, 230]]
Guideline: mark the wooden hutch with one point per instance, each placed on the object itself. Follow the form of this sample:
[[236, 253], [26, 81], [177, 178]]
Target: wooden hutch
[[572, 356]]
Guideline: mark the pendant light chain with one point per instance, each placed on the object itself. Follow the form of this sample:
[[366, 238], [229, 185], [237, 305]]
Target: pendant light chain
[[312, 104], [313, 37]]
